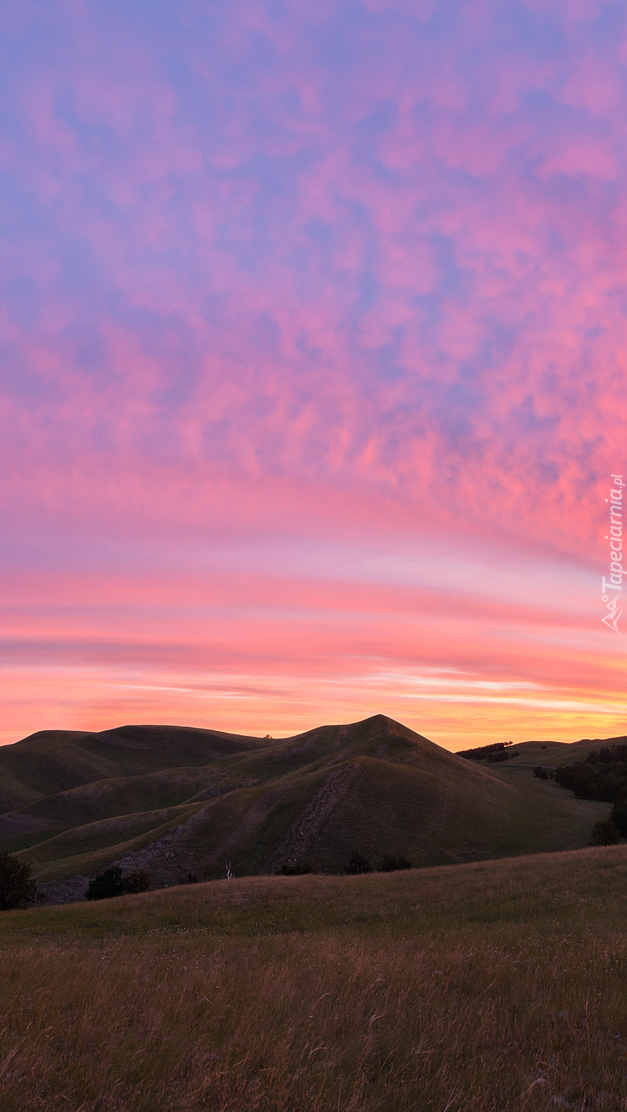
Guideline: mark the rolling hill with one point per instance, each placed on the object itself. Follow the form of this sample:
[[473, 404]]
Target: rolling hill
[[549, 754], [177, 801]]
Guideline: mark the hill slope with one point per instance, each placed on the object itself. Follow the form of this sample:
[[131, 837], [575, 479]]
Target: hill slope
[[178, 800], [549, 754], [496, 986], [560, 754]]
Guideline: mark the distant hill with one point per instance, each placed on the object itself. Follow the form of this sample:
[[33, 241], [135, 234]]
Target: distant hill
[[549, 754], [178, 801], [57, 760]]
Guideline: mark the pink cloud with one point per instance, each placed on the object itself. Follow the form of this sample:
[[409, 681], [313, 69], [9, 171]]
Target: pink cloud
[[298, 275]]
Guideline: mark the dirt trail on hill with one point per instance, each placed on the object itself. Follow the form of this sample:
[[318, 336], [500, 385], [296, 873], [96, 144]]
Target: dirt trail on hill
[[180, 849], [301, 836], [161, 857]]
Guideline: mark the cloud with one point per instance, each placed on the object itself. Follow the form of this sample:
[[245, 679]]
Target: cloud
[[320, 273]]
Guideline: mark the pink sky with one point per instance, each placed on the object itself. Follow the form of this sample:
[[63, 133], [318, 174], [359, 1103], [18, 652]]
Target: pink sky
[[312, 349]]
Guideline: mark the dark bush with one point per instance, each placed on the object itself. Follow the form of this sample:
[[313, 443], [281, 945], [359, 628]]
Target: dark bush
[[604, 833], [112, 883], [585, 781], [392, 864], [357, 863], [138, 880], [602, 775], [297, 868], [541, 773], [585, 785], [482, 750], [618, 815], [17, 887], [105, 885], [187, 876]]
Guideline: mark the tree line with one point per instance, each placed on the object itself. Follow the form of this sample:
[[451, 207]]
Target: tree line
[[601, 775], [496, 751]]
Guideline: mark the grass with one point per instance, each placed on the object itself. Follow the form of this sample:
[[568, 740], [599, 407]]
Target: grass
[[488, 987]]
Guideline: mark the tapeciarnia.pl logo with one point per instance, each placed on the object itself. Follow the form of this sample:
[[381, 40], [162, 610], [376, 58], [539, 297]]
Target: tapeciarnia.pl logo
[[615, 537]]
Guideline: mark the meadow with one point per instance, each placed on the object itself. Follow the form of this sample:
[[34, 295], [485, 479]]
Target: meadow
[[483, 987]]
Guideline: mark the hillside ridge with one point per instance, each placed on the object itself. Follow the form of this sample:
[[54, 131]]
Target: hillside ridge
[[184, 801]]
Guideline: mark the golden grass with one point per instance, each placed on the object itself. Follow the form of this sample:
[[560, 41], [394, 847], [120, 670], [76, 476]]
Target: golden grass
[[494, 987]]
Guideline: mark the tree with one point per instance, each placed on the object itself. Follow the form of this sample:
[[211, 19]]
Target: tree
[[105, 885], [618, 815], [17, 887], [604, 833], [585, 784]]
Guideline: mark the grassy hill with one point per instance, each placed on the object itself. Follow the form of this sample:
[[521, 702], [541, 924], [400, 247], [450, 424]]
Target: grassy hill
[[177, 800], [494, 986], [53, 761], [549, 754]]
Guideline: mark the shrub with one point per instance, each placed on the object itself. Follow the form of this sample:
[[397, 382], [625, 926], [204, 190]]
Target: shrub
[[187, 876], [190, 869], [105, 885], [618, 815], [392, 864], [604, 833], [541, 773], [111, 883], [138, 880], [302, 868], [482, 750], [17, 887], [357, 863]]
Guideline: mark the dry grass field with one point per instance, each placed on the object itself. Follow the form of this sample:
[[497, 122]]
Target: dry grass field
[[487, 987]]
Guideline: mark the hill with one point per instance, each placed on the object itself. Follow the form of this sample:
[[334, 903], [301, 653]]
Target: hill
[[549, 754], [182, 801], [53, 761], [556, 754]]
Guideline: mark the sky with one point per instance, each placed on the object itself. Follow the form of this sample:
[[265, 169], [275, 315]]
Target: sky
[[312, 365]]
